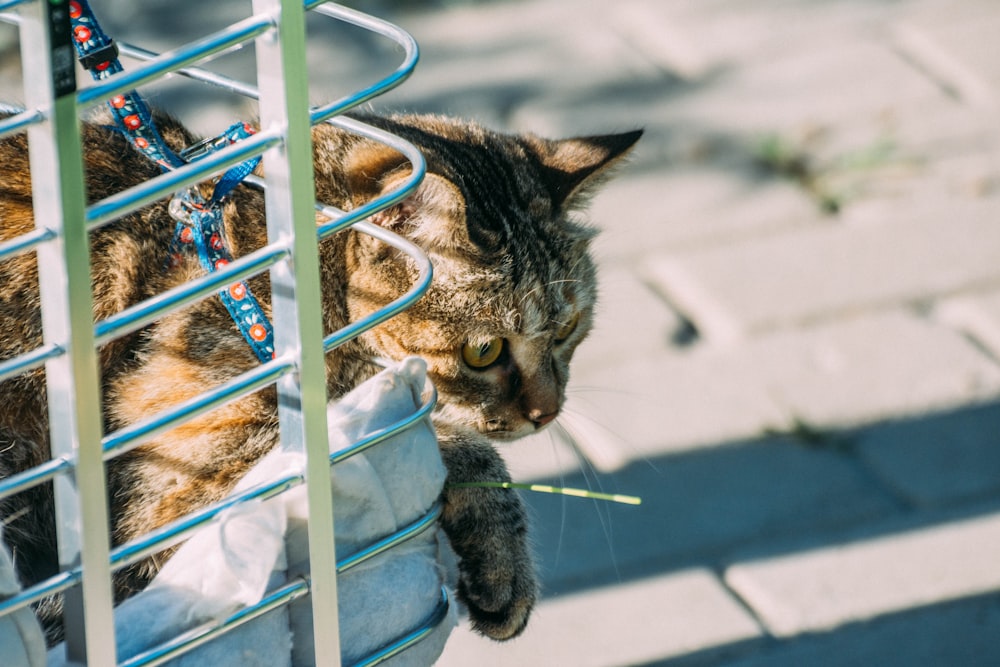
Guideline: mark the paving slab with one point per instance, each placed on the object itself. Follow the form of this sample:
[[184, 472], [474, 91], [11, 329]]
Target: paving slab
[[828, 587], [823, 85], [837, 375], [697, 40], [736, 290], [637, 623], [690, 206], [855, 80], [695, 507], [938, 459], [671, 403], [976, 314], [806, 322], [955, 46], [963, 633], [886, 366], [630, 321], [480, 56], [917, 185]]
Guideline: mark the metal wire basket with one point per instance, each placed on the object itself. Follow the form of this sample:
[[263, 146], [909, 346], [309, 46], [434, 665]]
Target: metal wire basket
[[79, 446]]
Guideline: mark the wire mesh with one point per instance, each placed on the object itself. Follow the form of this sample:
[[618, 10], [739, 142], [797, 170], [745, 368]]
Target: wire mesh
[[79, 446]]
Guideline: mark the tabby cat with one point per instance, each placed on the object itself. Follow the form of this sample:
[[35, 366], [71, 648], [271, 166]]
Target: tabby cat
[[512, 297]]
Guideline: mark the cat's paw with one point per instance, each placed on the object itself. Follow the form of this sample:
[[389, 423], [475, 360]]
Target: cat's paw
[[500, 594], [488, 529]]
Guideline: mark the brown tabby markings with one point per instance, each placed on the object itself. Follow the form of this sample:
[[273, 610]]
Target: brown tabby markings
[[512, 270]]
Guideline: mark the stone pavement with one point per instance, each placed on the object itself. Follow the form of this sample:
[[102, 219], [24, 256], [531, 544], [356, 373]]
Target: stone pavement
[[797, 361]]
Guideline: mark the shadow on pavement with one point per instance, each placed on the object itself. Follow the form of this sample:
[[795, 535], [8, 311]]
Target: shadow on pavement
[[766, 497], [783, 495], [921, 636]]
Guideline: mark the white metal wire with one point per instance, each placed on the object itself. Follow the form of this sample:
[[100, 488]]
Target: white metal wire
[[79, 447], [296, 298], [73, 380]]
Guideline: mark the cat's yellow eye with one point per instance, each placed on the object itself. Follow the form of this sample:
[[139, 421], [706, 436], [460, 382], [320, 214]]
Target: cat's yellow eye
[[479, 356], [567, 329]]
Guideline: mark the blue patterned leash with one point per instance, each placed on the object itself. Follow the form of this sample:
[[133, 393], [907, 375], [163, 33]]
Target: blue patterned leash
[[99, 55], [199, 222]]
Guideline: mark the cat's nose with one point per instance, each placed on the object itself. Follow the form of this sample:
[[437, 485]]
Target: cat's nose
[[540, 419]]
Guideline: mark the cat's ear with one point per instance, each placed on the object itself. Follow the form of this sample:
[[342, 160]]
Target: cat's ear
[[434, 214], [573, 168]]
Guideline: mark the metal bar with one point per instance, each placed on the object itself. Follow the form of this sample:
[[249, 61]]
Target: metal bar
[[229, 37], [34, 476], [402, 535], [257, 378], [26, 242], [340, 220], [376, 25], [408, 640], [205, 633], [137, 196], [72, 379], [319, 114], [297, 304], [176, 531], [355, 329], [387, 432], [21, 121], [143, 313], [196, 73], [284, 96], [7, 107], [179, 530], [51, 586], [10, 4], [29, 360], [418, 169], [136, 550]]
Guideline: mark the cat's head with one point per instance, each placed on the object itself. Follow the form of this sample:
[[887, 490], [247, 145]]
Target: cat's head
[[514, 283]]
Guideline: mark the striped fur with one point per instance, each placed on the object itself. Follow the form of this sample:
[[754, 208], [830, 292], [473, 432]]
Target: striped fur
[[495, 216]]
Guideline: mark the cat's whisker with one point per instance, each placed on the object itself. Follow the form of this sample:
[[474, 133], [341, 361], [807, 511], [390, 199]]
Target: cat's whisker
[[575, 265], [551, 434], [547, 272], [561, 281], [592, 440], [579, 410], [592, 478], [588, 389], [526, 295], [14, 516]]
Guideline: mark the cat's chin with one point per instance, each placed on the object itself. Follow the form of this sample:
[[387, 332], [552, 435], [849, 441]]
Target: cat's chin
[[502, 436]]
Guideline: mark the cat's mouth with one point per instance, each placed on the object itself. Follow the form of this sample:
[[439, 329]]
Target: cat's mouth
[[500, 429], [494, 427]]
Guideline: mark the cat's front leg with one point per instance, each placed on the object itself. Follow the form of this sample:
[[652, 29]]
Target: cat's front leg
[[488, 529]]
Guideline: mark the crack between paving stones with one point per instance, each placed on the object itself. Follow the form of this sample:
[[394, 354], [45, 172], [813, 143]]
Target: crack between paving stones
[[950, 75], [686, 334]]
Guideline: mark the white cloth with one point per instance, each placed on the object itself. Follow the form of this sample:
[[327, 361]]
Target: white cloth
[[21, 640], [234, 561]]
